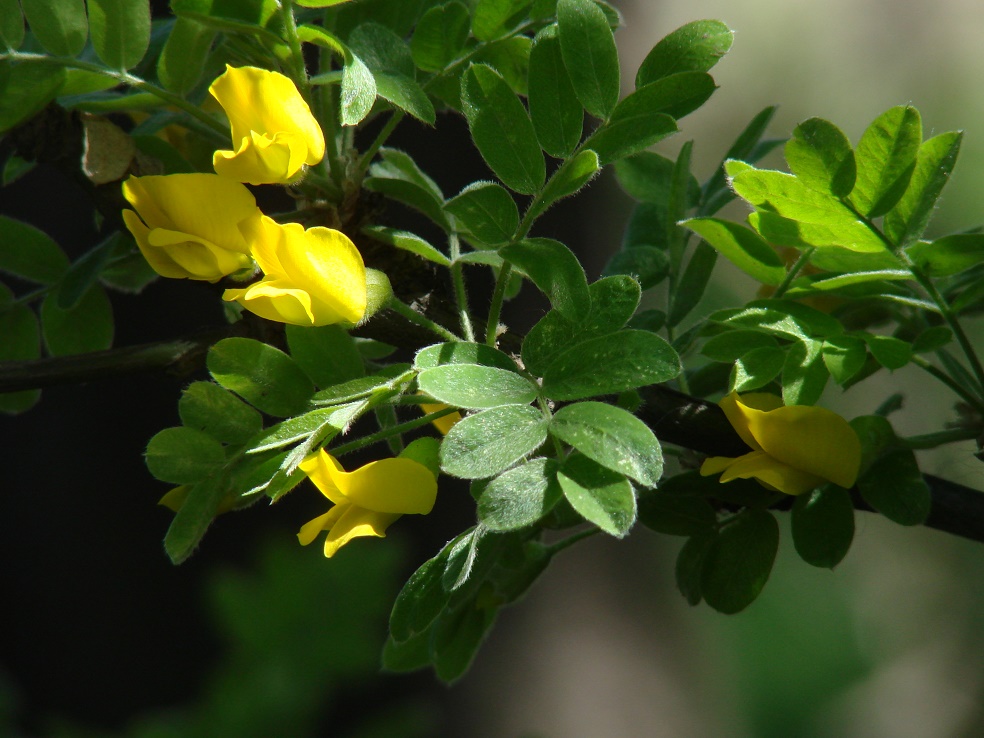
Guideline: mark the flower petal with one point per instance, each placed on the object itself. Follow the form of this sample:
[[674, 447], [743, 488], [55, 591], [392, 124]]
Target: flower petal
[[310, 530], [389, 486], [272, 124], [354, 523], [813, 439], [772, 473], [319, 468]]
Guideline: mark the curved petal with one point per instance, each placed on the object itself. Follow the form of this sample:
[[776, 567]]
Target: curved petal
[[158, 259], [319, 468], [207, 205], [258, 101], [199, 258], [275, 301], [772, 473], [326, 264], [266, 238], [259, 160], [389, 486], [735, 412], [354, 523], [715, 465], [813, 439], [310, 530]]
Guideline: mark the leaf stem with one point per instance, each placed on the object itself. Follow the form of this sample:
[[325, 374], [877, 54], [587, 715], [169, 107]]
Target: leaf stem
[[388, 433], [422, 320], [127, 79], [460, 293], [556, 548], [793, 272], [498, 297], [946, 379], [934, 440], [381, 137]]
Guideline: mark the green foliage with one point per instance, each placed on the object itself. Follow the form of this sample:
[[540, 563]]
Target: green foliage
[[549, 433]]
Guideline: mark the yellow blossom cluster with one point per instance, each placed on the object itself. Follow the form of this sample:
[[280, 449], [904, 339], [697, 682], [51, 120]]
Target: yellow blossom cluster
[[208, 226]]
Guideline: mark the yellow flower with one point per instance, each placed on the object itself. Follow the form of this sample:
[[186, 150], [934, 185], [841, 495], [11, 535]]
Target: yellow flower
[[187, 225], [794, 448], [367, 500], [442, 424], [311, 277], [273, 131]]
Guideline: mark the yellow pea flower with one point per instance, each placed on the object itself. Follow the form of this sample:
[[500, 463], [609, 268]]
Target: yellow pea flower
[[794, 448], [442, 424], [311, 277], [367, 500], [273, 131], [187, 225]]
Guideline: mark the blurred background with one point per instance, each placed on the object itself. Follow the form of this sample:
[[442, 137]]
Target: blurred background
[[256, 636]]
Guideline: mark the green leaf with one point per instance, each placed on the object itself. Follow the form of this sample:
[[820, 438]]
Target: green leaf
[[381, 49], [886, 158], [756, 368], [264, 376], [729, 346], [738, 562], [456, 638], [358, 91], [358, 388], [821, 157], [59, 25], [487, 443], [493, 18], [520, 496], [462, 352], [689, 564], [895, 487], [612, 437], [892, 353], [823, 525], [327, 354], [804, 374], [408, 241], [742, 247], [207, 407], [422, 598], [389, 59], [183, 455], [747, 148], [783, 318], [555, 270], [932, 339], [572, 175], [677, 506], [844, 356], [610, 364], [648, 177], [601, 496], [192, 520], [554, 108], [948, 255], [317, 426], [502, 130], [690, 288], [806, 217], [907, 221], [439, 36], [399, 177], [11, 24], [85, 271], [182, 59], [87, 326], [120, 31], [694, 47], [646, 264], [21, 342], [677, 95], [29, 253], [630, 129], [486, 211], [403, 92], [613, 302], [590, 55], [475, 387]]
